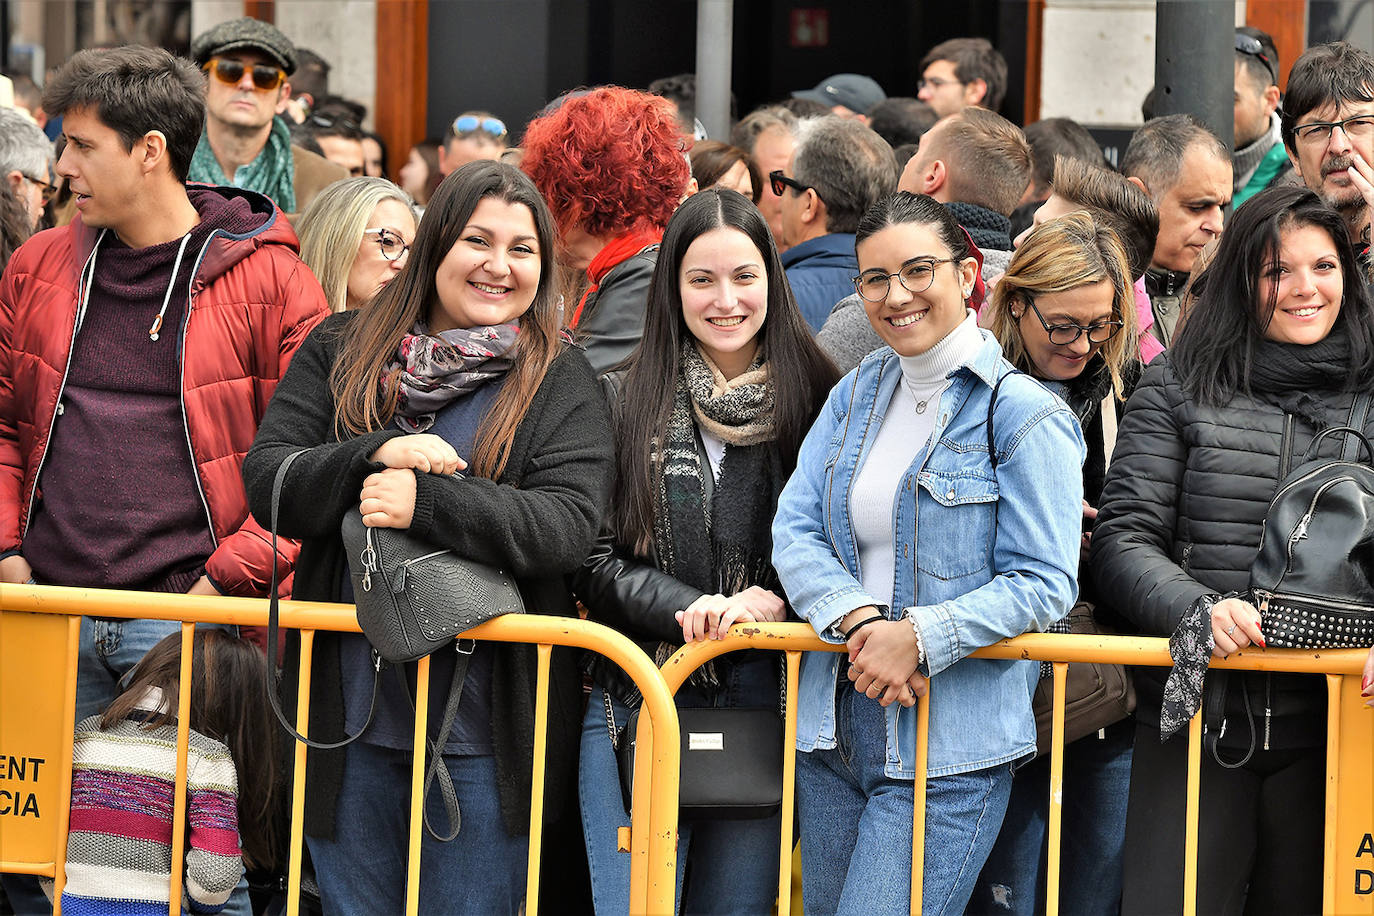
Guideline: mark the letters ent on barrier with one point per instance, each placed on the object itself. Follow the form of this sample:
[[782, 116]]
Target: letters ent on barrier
[[33, 662]]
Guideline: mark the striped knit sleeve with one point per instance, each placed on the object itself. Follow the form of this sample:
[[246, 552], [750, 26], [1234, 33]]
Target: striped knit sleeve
[[213, 860]]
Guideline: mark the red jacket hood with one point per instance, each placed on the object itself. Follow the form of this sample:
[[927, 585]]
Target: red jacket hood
[[269, 226]]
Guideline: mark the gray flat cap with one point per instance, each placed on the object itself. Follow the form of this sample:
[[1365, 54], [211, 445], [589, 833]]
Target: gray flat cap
[[243, 34]]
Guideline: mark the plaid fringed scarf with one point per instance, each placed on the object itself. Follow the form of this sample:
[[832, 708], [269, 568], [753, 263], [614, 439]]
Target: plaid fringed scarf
[[728, 548]]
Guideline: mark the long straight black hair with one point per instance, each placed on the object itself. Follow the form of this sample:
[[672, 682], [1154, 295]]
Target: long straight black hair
[[799, 371], [1215, 350]]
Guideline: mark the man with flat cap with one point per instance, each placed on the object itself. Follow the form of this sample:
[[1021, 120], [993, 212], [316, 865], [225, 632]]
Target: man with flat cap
[[849, 95], [245, 143]]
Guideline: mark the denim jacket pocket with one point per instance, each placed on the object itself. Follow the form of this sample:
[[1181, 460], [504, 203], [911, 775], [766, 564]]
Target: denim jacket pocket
[[959, 526]]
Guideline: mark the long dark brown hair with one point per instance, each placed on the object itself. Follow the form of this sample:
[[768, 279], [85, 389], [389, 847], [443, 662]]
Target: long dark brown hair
[[365, 392], [228, 704], [800, 373]]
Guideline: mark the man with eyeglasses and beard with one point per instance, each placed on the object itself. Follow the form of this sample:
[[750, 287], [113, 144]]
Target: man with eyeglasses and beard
[[1328, 129], [245, 143]]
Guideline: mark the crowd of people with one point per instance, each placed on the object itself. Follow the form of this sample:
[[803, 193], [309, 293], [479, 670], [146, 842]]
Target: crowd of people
[[894, 367]]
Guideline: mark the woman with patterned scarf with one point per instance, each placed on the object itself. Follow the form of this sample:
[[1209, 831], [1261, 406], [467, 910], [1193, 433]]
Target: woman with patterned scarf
[[457, 364], [716, 401]]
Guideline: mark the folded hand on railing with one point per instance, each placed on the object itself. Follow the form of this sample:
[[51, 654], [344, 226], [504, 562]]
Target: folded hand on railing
[[883, 659], [15, 570], [711, 616]]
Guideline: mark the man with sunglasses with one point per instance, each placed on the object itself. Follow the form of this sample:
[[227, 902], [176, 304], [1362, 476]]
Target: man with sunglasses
[[1259, 160], [839, 169], [473, 136], [26, 162], [1328, 129], [245, 142]]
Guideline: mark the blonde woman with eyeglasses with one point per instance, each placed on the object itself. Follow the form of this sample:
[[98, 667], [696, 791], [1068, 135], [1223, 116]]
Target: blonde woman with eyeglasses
[[1064, 313], [356, 237]]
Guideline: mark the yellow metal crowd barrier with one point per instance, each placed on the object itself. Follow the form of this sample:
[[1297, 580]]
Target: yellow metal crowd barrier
[[1349, 839], [39, 630], [39, 634]]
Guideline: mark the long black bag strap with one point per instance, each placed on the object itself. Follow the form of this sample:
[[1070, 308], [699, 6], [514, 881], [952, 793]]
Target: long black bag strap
[[992, 406], [437, 768], [273, 615]]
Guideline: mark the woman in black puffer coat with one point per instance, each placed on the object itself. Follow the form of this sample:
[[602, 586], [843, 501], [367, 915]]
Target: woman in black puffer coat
[[1279, 342]]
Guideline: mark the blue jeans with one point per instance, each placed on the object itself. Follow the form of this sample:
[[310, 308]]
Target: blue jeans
[[109, 650], [856, 822], [362, 869], [727, 866], [1097, 780]]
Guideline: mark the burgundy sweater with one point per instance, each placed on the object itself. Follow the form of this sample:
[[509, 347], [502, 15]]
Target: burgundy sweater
[[121, 505]]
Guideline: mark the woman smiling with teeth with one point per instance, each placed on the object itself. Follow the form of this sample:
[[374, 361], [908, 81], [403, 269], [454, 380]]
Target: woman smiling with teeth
[[903, 536], [715, 403], [1275, 349]]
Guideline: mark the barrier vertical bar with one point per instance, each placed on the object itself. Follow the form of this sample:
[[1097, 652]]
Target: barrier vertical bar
[[1190, 828], [1056, 837], [297, 848], [789, 785], [188, 635], [640, 794], [417, 786], [1334, 683], [541, 735], [918, 799], [660, 893], [64, 764]]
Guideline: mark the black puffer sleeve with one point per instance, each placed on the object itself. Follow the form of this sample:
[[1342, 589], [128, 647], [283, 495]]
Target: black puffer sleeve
[[1135, 561]]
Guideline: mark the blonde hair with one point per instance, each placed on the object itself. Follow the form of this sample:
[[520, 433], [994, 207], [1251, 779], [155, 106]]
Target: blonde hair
[[1060, 255], [331, 230]]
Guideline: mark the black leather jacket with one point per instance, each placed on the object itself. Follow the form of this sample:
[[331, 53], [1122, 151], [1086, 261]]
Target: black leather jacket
[[612, 321], [1181, 517], [632, 595]]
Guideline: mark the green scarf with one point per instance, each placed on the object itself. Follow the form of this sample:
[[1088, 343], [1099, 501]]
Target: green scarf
[[1269, 168], [271, 173]]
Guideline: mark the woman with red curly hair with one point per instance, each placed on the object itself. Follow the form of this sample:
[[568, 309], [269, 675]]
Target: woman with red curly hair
[[610, 163]]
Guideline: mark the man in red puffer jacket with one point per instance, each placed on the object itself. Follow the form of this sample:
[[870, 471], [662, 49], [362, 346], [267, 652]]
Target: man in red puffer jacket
[[139, 347]]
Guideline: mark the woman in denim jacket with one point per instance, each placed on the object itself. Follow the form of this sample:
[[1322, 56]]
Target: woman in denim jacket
[[901, 536]]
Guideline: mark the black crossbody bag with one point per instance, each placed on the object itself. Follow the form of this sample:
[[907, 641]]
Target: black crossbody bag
[[412, 600]]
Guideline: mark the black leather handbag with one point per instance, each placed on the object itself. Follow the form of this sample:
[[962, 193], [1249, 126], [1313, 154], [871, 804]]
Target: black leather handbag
[[412, 600], [1313, 578], [731, 761]]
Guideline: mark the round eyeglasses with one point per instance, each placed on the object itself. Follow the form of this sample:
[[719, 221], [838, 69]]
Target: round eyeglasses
[[915, 277], [392, 245], [1061, 335]]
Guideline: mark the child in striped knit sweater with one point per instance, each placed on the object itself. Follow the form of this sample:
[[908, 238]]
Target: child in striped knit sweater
[[119, 852]]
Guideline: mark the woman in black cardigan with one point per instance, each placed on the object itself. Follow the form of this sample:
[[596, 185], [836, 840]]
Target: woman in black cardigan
[[457, 364], [1279, 342]]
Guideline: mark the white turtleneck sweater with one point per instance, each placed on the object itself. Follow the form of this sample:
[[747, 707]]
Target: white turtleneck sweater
[[903, 437]]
